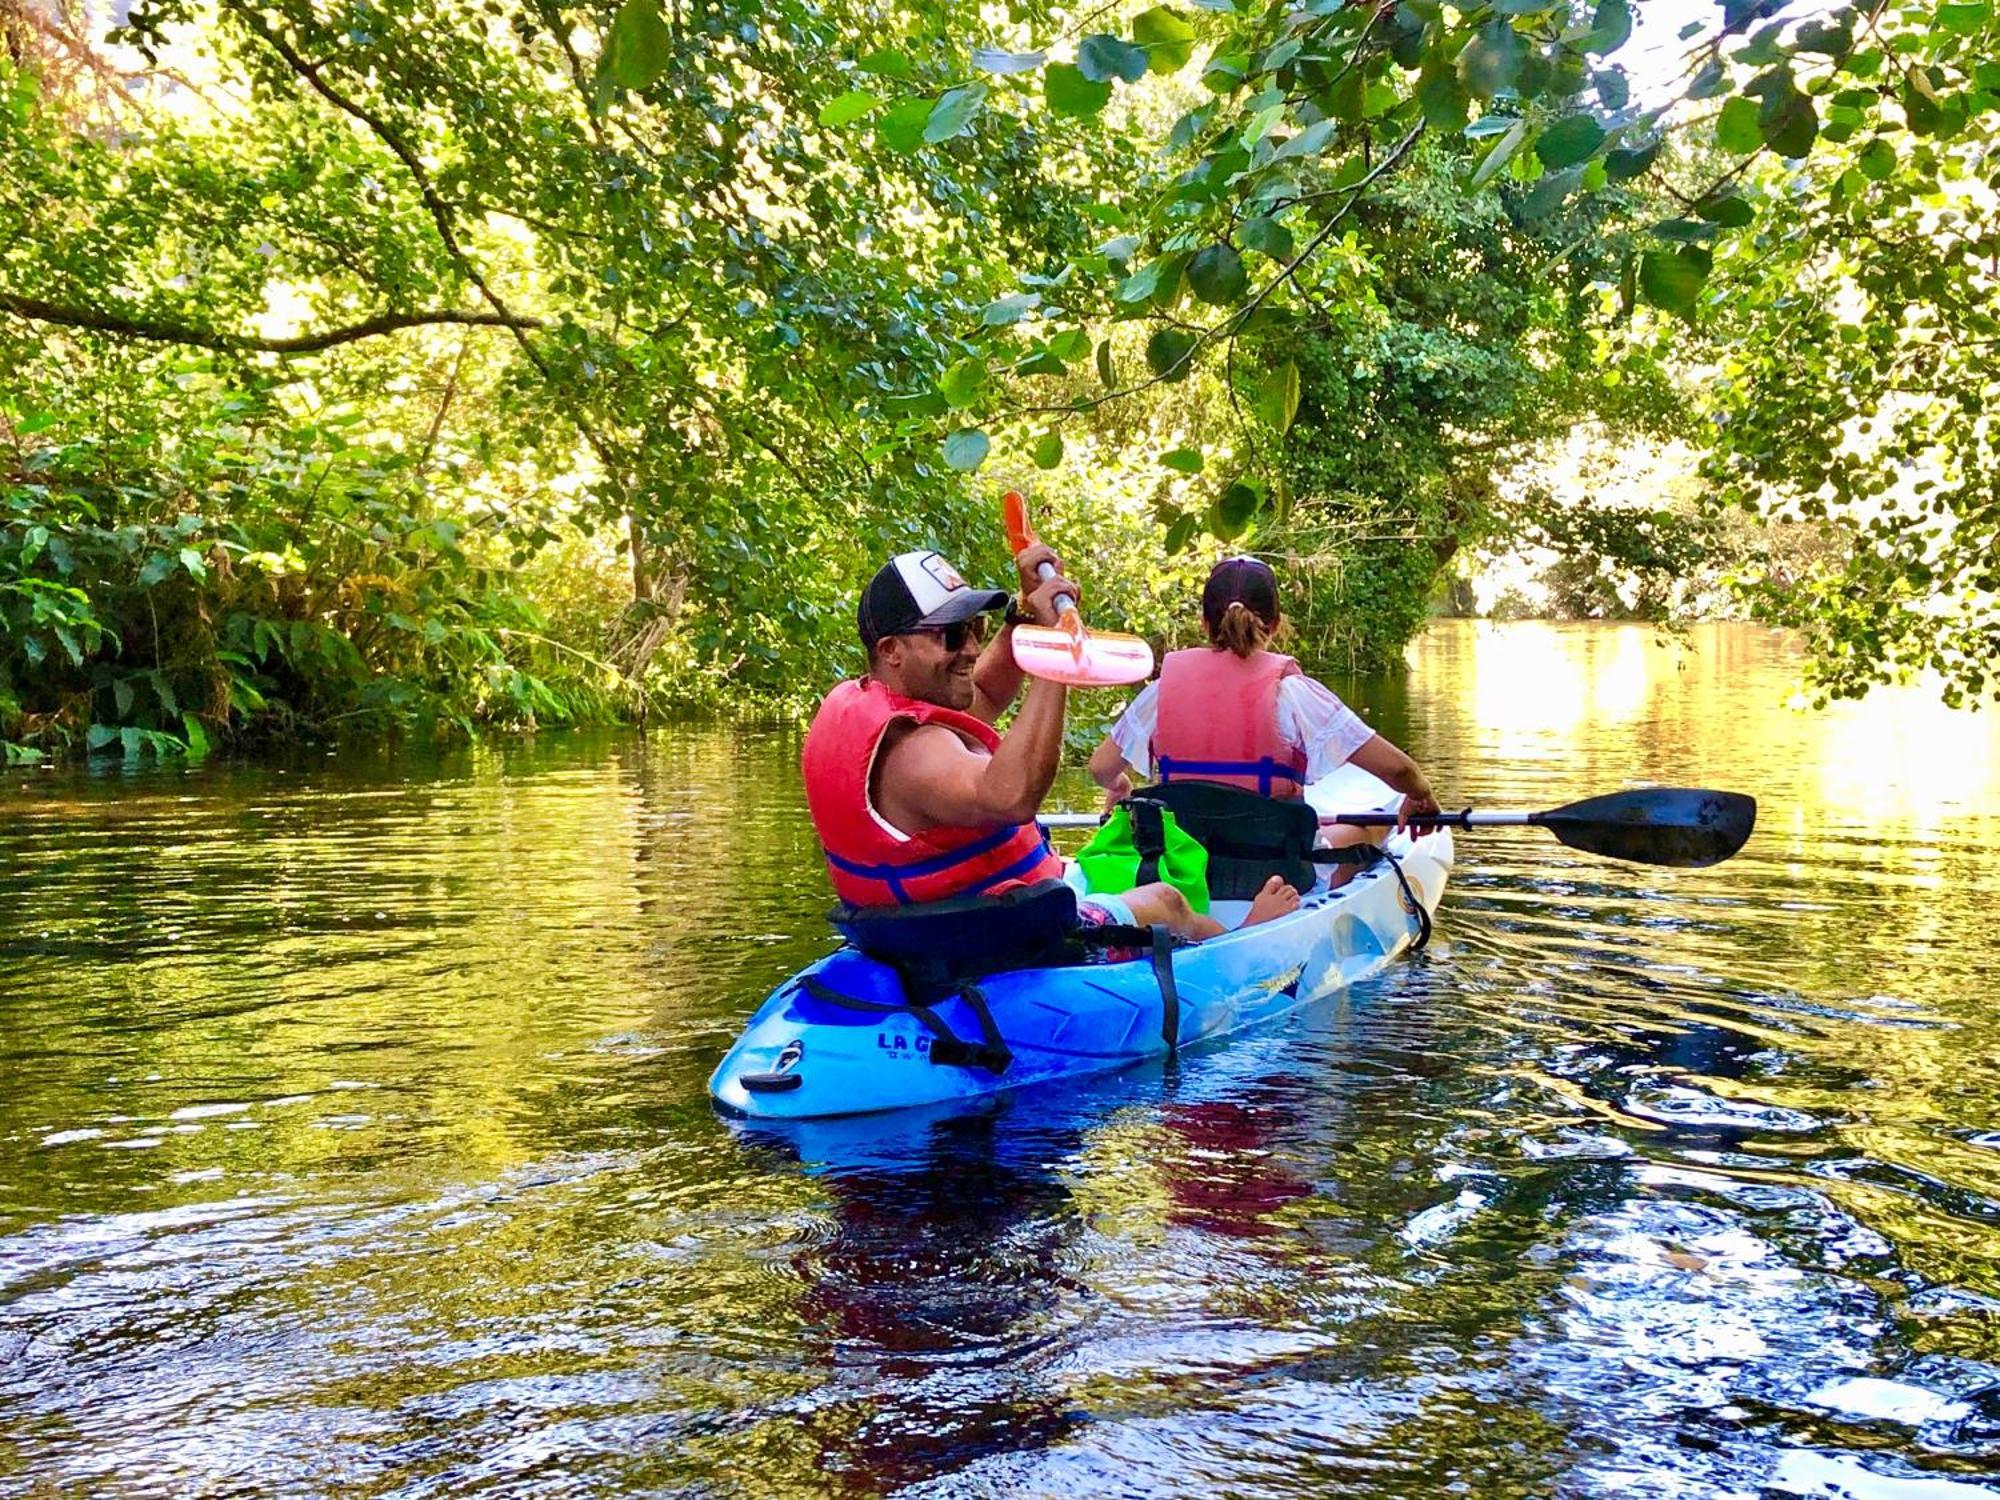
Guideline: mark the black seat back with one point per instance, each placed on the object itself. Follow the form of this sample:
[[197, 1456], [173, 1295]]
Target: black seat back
[[1249, 838], [940, 942]]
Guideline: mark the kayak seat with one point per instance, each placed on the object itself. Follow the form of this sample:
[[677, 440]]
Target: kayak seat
[[1250, 838], [937, 949]]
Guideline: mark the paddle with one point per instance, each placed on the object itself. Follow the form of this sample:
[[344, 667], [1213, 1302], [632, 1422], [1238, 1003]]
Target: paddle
[[1655, 825], [1066, 652]]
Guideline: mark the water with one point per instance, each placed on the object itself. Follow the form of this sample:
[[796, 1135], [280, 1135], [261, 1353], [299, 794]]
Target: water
[[353, 1141]]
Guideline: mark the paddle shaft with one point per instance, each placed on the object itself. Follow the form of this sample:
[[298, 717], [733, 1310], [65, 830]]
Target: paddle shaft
[[1465, 819]]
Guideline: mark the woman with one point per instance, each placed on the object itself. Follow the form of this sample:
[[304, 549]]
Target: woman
[[1236, 712]]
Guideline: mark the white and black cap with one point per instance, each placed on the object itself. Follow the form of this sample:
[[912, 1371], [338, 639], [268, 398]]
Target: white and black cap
[[920, 591]]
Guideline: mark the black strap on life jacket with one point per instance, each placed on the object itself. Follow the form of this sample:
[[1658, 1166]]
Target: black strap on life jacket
[[1149, 836]]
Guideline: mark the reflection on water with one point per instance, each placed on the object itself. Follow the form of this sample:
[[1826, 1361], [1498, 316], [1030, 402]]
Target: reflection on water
[[353, 1140]]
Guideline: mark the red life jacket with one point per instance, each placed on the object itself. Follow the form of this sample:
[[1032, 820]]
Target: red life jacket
[[1218, 721], [868, 865]]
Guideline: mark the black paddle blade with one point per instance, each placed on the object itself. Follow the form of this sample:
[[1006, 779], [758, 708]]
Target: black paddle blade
[[1657, 825]]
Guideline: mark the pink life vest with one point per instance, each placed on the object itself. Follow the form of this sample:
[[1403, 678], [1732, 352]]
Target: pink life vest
[[1218, 721], [868, 865]]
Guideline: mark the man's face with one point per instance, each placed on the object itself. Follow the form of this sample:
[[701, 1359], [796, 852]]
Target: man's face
[[923, 665]]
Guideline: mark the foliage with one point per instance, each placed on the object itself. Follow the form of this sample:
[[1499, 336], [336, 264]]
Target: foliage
[[1854, 331]]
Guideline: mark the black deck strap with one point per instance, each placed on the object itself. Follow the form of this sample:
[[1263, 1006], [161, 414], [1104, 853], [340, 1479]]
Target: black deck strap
[[1149, 836], [946, 1046], [1413, 900], [1113, 935], [1170, 990]]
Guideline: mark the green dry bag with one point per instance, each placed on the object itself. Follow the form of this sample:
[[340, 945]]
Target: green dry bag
[[1141, 843]]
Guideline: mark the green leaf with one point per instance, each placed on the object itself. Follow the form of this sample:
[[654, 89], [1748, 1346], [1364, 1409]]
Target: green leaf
[[1443, 100], [1048, 450], [1920, 109], [954, 113], [1572, 139], [1624, 163], [1234, 508], [1071, 343], [1788, 121], [1502, 153], [121, 695], [1217, 276], [1005, 311], [1268, 237], [640, 46], [1168, 351], [1106, 374], [963, 382], [1672, 279], [1736, 128], [1070, 93], [1101, 57], [1730, 210], [1277, 396], [100, 735], [1182, 531], [887, 63], [848, 108], [156, 567], [193, 561], [901, 127], [1168, 39], [1308, 142], [1877, 160], [1614, 89], [197, 737], [1183, 460], [993, 60], [966, 449], [1492, 60], [1966, 20], [132, 741], [1610, 28]]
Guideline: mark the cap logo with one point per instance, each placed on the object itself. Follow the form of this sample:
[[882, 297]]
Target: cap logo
[[943, 572]]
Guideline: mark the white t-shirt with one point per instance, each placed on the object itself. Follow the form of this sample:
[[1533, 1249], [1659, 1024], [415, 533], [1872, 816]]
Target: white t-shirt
[[1309, 716]]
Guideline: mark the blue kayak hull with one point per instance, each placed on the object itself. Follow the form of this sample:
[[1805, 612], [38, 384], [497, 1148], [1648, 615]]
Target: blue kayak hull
[[1066, 1022]]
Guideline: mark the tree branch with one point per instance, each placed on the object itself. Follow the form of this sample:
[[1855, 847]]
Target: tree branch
[[165, 331], [1228, 327]]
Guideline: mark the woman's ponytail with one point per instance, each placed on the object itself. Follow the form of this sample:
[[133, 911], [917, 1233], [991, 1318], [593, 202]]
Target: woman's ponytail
[[1239, 630]]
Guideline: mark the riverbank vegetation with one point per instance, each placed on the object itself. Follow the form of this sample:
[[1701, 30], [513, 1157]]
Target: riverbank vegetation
[[371, 366]]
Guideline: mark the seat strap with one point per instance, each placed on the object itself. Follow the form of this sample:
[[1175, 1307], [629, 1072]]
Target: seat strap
[[1170, 992], [947, 1047]]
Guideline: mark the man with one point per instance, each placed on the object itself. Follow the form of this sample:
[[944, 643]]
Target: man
[[914, 795]]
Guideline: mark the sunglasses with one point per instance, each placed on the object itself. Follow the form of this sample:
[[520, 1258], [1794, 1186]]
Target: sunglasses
[[955, 635]]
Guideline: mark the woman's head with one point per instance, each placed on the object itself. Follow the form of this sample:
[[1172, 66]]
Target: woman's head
[[1239, 605]]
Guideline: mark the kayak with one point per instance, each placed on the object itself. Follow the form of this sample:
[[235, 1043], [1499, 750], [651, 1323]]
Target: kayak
[[805, 1055]]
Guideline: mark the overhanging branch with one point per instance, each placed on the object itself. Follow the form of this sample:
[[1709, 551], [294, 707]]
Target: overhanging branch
[[164, 331]]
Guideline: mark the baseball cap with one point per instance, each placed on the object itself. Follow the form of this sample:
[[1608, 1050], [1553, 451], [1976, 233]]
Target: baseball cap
[[918, 590]]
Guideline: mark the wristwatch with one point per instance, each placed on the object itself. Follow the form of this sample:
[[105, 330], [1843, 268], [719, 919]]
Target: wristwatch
[[1016, 615]]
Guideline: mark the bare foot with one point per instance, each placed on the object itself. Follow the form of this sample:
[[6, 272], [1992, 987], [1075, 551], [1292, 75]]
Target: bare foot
[[1276, 900]]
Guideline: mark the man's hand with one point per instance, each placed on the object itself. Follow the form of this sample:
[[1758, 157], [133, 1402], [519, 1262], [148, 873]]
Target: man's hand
[[1041, 601], [1029, 559]]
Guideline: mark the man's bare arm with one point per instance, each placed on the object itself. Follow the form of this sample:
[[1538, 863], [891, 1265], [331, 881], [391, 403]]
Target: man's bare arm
[[930, 778]]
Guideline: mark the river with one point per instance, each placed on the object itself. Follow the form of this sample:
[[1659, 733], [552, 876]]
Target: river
[[353, 1139]]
